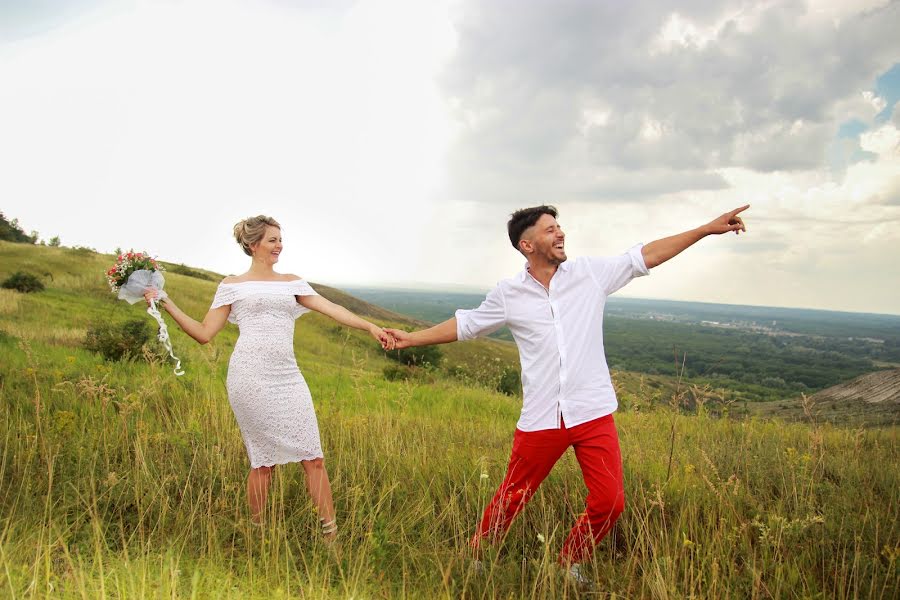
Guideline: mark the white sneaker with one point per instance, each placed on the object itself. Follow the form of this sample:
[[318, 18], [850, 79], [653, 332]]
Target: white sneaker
[[576, 575], [476, 568]]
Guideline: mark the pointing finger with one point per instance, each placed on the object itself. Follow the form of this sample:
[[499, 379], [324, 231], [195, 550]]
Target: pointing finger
[[739, 210]]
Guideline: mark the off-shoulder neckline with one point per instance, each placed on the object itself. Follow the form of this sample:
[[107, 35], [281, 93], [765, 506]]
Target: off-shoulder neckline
[[264, 281]]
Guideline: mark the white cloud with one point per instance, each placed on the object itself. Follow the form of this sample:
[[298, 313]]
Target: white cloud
[[883, 140], [878, 103], [836, 11], [678, 31], [651, 130]]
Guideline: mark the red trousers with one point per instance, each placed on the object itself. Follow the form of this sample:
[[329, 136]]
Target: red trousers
[[534, 453]]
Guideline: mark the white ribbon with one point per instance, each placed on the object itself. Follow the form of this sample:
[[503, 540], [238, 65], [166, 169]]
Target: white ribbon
[[164, 335], [133, 291]]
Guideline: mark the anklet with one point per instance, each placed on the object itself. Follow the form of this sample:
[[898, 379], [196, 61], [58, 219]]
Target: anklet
[[329, 527]]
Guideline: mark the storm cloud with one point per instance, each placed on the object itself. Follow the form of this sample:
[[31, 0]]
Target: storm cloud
[[623, 101]]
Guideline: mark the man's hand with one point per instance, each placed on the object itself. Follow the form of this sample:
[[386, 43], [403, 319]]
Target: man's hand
[[441, 333], [383, 337], [730, 221], [402, 339]]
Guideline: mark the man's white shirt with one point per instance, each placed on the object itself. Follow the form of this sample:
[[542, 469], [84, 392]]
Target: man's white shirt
[[560, 336]]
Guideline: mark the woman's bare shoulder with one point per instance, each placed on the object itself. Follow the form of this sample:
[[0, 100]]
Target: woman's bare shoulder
[[246, 278]]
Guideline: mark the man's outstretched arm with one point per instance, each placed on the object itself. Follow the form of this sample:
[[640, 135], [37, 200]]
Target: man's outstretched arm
[[657, 252], [442, 333]]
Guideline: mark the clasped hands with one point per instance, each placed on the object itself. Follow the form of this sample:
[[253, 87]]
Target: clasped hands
[[390, 338]]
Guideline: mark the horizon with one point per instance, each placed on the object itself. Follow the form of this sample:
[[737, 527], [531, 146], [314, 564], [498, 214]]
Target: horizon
[[460, 288], [616, 296]]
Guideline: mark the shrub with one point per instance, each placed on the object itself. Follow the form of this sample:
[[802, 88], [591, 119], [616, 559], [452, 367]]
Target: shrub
[[117, 341], [397, 372], [183, 270], [773, 382], [510, 383], [23, 282], [420, 356]]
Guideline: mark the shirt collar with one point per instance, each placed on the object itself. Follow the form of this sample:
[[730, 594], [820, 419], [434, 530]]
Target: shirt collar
[[564, 267]]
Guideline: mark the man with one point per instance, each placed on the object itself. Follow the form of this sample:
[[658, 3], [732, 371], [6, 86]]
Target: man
[[554, 309]]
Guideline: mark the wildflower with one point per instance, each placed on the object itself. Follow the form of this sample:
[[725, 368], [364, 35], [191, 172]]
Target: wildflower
[[484, 475], [70, 359], [686, 542], [540, 537]]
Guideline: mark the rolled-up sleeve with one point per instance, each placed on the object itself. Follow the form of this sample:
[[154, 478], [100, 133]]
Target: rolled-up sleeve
[[484, 320], [613, 272]]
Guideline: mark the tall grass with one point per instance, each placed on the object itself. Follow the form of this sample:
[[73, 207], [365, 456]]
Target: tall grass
[[120, 480]]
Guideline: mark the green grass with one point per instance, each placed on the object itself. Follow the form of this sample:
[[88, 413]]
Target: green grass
[[120, 480]]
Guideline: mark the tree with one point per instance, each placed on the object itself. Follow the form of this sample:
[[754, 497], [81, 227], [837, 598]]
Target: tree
[[54, 241], [418, 356], [11, 231]]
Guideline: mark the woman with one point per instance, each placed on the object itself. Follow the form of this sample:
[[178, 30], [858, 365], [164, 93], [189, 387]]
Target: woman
[[269, 396]]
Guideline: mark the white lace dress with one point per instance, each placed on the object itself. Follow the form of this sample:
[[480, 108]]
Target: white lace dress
[[269, 396]]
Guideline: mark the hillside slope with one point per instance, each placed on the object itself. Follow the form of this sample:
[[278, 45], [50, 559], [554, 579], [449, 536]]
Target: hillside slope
[[871, 399], [873, 388], [77, 296]]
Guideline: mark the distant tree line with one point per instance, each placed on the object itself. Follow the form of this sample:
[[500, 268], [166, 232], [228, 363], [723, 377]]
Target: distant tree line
[[762, 367], [11, 231]]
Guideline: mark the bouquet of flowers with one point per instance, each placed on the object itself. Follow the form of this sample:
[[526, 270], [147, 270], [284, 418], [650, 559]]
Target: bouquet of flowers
[[126, 265], [130, 277]]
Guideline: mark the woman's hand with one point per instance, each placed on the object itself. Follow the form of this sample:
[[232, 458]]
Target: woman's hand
[[401, 338], [152, 294], [387, 340]]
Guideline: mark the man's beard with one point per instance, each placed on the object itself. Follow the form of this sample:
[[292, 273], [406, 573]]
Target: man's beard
[[555, 261]]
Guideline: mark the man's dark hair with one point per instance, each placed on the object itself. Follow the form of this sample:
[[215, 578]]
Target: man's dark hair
[[522, 219]]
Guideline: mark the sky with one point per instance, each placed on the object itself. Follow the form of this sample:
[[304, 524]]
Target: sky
[[393, 138]]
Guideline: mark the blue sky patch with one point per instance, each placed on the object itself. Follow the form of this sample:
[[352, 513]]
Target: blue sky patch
[[851, 129], [888, 87]]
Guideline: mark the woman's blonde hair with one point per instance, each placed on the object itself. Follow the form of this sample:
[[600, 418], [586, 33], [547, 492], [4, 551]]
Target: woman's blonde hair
[[251, 231]]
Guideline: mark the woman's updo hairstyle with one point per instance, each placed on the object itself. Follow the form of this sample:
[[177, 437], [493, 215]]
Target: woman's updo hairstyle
[[251, 231]]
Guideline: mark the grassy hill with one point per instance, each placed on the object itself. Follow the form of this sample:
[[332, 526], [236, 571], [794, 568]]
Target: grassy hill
[[868, 400], [118, 479]]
